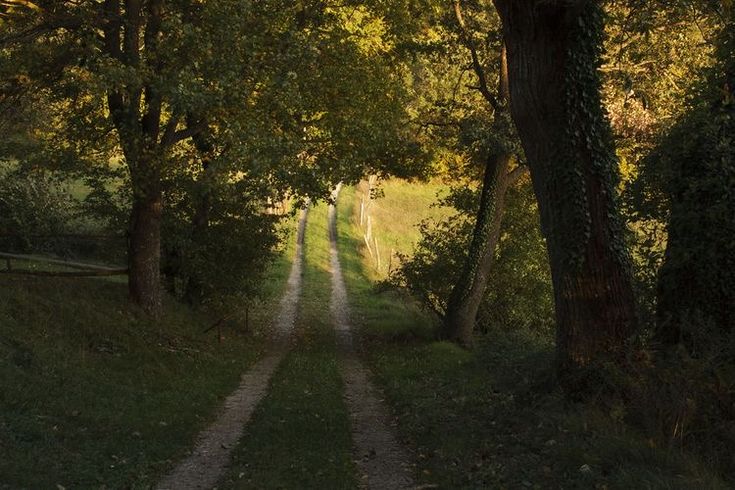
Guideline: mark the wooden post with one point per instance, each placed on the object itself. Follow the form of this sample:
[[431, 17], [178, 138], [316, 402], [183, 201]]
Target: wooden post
[[367, 243], [377, 252]]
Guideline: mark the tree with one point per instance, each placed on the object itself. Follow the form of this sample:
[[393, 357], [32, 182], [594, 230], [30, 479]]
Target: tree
[[696, 288], [461, 109], [468, 293], [553, 58], [654, 52], [291, 97]]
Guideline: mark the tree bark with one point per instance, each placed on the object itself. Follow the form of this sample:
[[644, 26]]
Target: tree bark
[[467, 294], [144, 250], [553, 56]]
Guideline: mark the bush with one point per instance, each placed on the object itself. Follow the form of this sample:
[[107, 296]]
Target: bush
[[35, 210], [218, 260], [519, 293]]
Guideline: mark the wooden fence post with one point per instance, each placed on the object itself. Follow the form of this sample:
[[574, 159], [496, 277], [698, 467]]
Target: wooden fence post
[[377, 252]]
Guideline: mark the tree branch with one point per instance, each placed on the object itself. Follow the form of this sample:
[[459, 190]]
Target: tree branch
[[171, 136], [517, 173], [476, 65]]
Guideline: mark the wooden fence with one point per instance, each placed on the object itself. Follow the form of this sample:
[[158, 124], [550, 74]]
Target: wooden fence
[[81, 269]]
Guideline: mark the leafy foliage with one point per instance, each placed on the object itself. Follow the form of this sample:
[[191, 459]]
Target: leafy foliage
[[694, 165], [34, 211], [223, 264], [518, 295], [654, 52]]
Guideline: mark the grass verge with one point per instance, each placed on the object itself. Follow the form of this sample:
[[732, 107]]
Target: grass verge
[[94, 394], [299, 435], [493, 417]]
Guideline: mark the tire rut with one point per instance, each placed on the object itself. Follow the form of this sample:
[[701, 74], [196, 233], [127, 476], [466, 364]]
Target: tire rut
[[381, 460], [209, 459]]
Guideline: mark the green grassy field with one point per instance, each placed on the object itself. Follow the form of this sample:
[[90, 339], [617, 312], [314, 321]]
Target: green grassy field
[[395, 216], [96, 395], [493, 417], [299, 435]]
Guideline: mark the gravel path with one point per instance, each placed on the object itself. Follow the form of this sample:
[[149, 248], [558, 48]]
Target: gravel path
[[381, 460], [209, 459]]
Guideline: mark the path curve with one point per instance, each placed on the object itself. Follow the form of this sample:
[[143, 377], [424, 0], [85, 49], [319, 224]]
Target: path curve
[[381, 460], [209, 459]]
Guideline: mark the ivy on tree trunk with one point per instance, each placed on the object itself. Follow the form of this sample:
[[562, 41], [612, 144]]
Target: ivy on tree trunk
[[553, 58]]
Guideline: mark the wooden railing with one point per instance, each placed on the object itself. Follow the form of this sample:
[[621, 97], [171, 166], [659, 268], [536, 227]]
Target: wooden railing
[[81, 269]]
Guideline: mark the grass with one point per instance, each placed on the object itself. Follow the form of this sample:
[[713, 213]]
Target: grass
[[390, 315], [97, 395], [493, 417], [299, 435], [395, 217]]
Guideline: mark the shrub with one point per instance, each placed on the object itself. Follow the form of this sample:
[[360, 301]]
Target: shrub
[[519, 293], [35, 210]]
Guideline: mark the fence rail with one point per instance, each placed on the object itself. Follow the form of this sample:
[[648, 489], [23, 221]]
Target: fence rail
[[82, 269]]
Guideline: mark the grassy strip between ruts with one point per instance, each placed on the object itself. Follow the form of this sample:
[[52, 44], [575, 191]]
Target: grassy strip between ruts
[[492, 418], [95, 395], [299, 435]]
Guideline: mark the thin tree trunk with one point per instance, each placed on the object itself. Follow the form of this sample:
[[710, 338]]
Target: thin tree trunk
[[553, 56], [467, 294]]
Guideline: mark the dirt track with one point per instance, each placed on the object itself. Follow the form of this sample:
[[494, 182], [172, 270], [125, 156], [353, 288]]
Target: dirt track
[[381, 460], [209, 459]]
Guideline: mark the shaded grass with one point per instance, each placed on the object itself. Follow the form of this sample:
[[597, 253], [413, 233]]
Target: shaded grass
[[493, 417], [299, 435], [95, 394]]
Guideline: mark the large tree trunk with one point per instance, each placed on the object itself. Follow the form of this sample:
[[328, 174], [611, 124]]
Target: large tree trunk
[[144, 248], [467, 294], [553, 56]]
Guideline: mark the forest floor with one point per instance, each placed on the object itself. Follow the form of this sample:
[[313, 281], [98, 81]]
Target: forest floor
[[91, 400]]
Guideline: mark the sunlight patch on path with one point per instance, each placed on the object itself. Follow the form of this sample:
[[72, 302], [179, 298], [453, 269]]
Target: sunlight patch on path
[[209, 459], [380, 459]]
